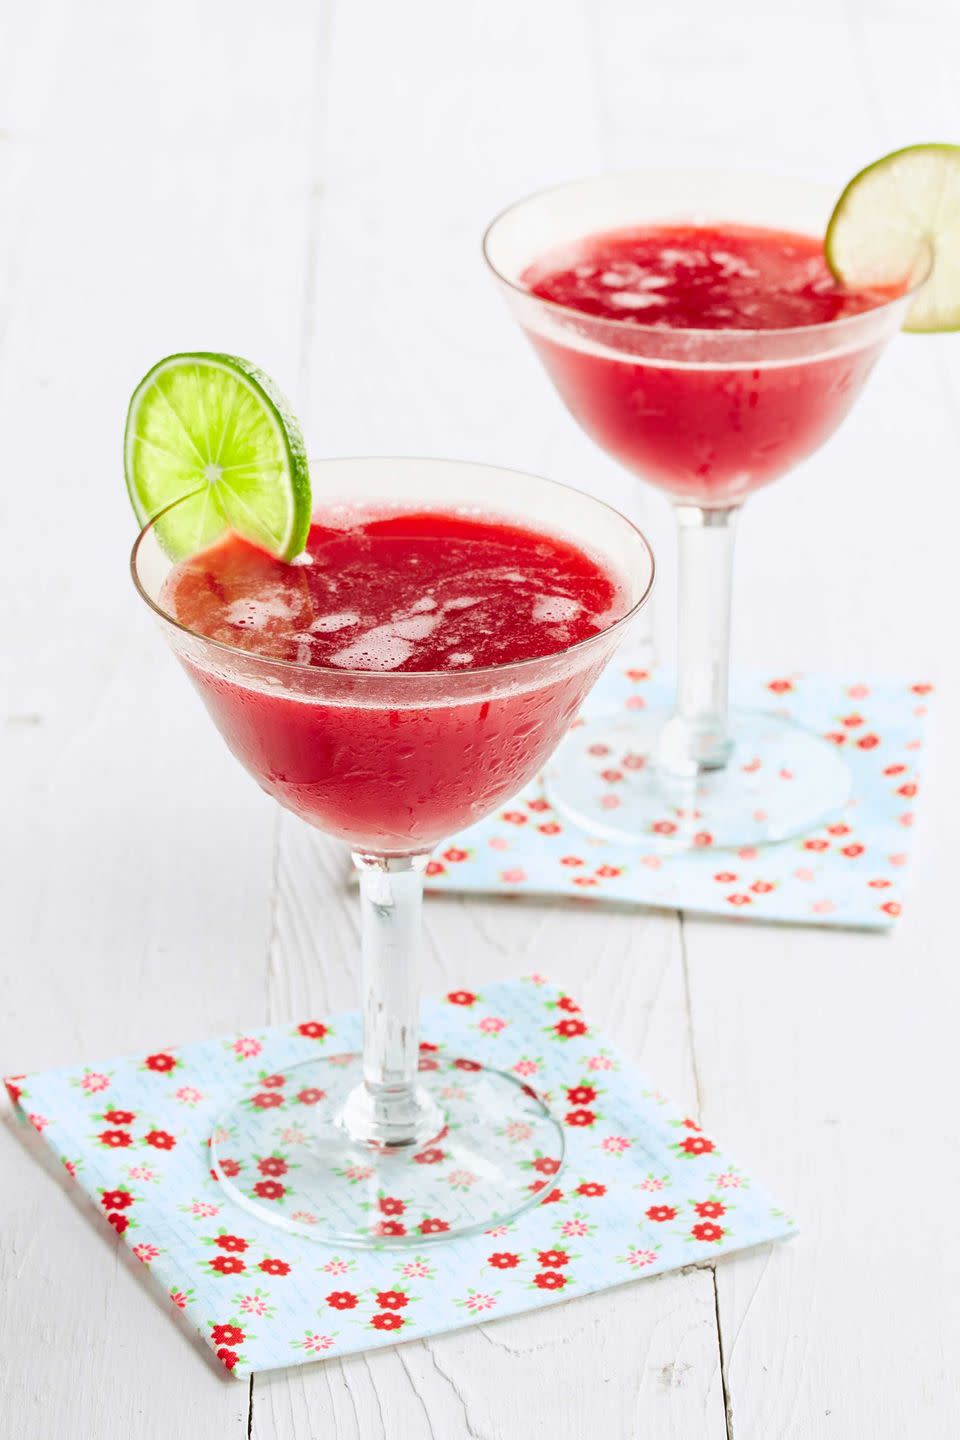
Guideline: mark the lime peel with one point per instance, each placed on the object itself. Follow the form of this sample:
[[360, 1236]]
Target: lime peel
[[897, 223], [214, 433]]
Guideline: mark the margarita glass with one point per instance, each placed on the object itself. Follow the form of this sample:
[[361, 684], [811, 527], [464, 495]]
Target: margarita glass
[[707, 416], [392, 761]]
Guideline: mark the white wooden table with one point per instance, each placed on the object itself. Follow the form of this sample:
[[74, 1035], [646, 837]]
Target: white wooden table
[[306, 183]]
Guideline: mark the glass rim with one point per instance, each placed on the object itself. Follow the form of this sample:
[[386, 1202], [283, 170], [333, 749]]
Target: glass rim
[[389, 676], [630, 327]]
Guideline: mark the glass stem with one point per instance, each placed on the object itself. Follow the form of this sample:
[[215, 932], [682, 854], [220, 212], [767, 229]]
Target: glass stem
[[696, 739], [389, 1110]]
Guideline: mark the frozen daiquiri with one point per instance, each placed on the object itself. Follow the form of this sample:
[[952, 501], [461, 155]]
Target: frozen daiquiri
[[707, 433], [418, 592], [710, 331], [391, 648]]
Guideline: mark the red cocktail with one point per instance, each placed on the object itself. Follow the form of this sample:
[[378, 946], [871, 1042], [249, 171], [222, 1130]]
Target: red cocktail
[[399, 680], [690, 323], [389, 594], [703, 433]]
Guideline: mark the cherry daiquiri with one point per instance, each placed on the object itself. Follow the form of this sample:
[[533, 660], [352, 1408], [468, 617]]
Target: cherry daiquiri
[[396, 764], [706, 432]]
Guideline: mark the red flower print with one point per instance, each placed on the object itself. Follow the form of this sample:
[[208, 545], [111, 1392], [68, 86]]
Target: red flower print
[[551, 1259], [503, 1260], [661, 1213], [389, 1227], [233, 1243], [272, 1081], [161, 1063], [571, 860], [838, 829], [549, 827], [428, 1062], [894, 769], [227, 1335], [568, 1029], [697, 1145], [311, 1095], [119, 1117], [710, 1209], [467, 1065], [608, 872], [228, 1357], [546, 1165], [269, 1190], [852, 851], [739, 900], [706, 1230], [462, 997], [879, 884], [837, 736], [455, 856], [431, 1226], [229, 1167], [160, 1139], [780, 687], [434, 868], [343, 1300], [585, 880], [116, 1199], [428, 1045], [612, 777], [868, 742], [266, 1100], [387, 1321], [570, 1006], [537, 1185], [312, 1030], [581, 1094], [550, 1280], [591, 1188], [761, 887], [227, 1265], [552, 1198], [908, 790], [580, 1117], [272, 1165], [116, 1139], [816, 844], [852, 721], [663, 827], [725, 877], [921, 689], [690, 1124], [119, 1222], [514, 817], [390, 1205], [391, 1299], [429, 1157], [891, 908], [637, 675], [272, 1266]]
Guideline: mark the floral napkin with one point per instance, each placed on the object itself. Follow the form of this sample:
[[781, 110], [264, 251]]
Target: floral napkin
[[642, 1190], [850, 871]]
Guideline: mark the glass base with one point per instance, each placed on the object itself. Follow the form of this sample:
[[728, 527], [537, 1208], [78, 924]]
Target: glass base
[[780, 781], [291, 1163]]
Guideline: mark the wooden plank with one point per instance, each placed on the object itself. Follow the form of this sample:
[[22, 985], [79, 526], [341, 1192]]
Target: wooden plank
[[826, 1057], [160, 205]]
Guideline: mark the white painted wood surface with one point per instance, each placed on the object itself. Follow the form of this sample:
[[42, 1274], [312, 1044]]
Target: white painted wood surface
[[306, 183]]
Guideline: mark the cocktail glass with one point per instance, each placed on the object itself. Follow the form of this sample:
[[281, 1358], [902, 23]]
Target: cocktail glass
[[707, 416], [400, 1143]]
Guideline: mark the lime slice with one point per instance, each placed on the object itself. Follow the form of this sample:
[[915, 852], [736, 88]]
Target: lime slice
[[897, 222], [216, 429]]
